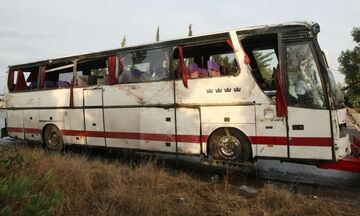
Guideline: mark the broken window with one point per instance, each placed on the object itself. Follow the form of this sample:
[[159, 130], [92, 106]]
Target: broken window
[[304, 82], [267, 64], [207, 60], [23, 80], [144, 66], [263, 54], [92, 72], [58, 76]]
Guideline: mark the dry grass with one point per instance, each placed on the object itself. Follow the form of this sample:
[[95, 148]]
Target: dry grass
[[97, 187]]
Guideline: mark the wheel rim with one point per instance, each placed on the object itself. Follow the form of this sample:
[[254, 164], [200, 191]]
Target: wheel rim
[[229, 147], [53, 138]]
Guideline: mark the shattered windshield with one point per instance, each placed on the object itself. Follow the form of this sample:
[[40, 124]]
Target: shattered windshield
[[304, 83]]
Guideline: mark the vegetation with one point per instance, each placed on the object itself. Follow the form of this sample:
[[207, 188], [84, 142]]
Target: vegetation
[[190, 30], [93, 186], [158, 33], [263, 61], [350, 66], [19, 193], [123, 42]]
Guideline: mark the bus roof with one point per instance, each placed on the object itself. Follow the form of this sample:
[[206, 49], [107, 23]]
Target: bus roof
[[261, 29]]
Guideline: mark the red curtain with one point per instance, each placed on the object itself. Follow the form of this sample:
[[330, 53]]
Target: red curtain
[[228, 41], [42, 76], [11, 80], [20, 82], [112, 70], [281, 108], [182, 68]]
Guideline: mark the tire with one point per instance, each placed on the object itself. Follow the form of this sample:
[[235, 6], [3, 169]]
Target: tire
[[235, 147], [53, 138]]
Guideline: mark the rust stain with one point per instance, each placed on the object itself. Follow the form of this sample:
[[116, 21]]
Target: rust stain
[[139, 99]]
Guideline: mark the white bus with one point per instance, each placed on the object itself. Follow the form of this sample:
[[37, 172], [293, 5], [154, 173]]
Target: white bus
[[257, 92]]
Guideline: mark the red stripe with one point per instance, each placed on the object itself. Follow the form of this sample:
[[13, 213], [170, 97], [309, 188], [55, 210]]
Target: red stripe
[[311, 141], [32, 130], [295, 141], [268, 140], [15, 130]]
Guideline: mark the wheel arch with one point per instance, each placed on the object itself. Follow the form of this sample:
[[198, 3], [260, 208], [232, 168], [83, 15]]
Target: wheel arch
[[242, 132], [44, 128]]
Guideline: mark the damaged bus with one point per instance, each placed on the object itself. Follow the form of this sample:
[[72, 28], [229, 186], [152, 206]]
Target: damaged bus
[[257, 92]]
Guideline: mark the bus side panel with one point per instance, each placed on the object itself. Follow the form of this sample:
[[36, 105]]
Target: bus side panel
[[15, 124], [31, 125], [157, 129], [94, 124], [55, 98], [122, 127], [74, 127], [271, 136], [188, 130], [150, 93]]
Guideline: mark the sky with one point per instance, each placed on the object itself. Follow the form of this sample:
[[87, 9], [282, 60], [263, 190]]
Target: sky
[[43, 29]]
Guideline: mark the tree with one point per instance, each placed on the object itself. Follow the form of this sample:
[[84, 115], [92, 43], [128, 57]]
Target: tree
[[158, 34], [350, 66], [123, 42], [190, 30]]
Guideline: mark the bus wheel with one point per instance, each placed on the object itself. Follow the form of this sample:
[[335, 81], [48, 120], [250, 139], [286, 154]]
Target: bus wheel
[[53, 138], [229, 144]]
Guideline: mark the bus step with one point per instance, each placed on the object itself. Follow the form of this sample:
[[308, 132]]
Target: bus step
[[245, 166]]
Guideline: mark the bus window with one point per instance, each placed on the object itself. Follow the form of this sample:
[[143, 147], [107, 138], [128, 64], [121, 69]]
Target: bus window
[[262, 52], [24, 80], [207, 60], [144, 66], [267, 63], [304, 83], [91, 72], [56, 79]]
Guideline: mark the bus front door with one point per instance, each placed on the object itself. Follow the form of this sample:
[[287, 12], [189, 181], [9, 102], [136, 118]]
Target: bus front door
[[308, 116], [94, 116]]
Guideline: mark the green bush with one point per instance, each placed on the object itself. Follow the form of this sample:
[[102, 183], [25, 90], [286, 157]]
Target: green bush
[[17, 196]]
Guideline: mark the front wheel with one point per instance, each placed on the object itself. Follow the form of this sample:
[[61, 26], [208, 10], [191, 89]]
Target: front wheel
[[229, 144], [53, 138]]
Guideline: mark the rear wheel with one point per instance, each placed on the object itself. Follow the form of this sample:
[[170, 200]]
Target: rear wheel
[[229, 144], [53, 138]]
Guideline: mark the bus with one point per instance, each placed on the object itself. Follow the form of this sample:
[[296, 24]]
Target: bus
[[233, 96]]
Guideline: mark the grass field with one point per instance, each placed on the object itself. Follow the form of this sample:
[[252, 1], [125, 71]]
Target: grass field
[[95, 186]]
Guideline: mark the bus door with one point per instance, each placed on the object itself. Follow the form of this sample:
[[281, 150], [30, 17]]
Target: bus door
[[309, 130], [94, 116]]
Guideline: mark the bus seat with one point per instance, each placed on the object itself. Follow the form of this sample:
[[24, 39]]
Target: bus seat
[[193, 70], [213, 68], [63, 84], [49, 84], [203, 72]]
